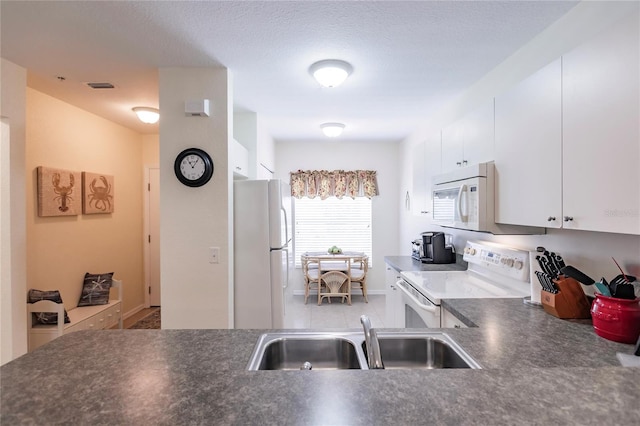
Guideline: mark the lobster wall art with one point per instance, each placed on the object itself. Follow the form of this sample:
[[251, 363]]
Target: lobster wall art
[[64, 193], [59, 192]]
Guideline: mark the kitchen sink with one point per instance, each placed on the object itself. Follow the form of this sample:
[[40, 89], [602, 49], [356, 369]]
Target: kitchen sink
[[421, 351], [304, 350], [290, 351]]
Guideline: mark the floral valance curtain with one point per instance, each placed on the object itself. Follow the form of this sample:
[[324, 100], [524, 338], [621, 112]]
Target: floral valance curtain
[[338, 183]]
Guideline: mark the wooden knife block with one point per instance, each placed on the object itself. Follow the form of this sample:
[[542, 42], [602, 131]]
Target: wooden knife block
[[569, 302]]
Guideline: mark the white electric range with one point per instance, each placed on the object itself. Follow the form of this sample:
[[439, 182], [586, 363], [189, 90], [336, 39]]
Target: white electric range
[[495, 271]]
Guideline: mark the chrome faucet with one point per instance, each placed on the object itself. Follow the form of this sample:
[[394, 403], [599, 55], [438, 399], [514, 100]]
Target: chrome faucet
[[373, 346]]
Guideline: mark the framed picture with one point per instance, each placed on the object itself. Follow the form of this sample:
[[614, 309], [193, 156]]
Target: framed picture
[[97, 193], [58, 192]]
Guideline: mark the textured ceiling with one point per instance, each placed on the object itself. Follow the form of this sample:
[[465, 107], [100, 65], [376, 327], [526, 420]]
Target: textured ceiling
[[408, 57]]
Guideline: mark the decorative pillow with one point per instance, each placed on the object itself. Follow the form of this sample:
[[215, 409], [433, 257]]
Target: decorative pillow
[[46, 317], [95, 290]]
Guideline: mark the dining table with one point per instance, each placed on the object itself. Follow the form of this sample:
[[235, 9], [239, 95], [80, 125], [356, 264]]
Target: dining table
[[344, 262]]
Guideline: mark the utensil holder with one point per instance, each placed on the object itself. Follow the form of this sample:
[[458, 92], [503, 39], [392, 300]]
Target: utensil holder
[[569, 302], [616, 319]]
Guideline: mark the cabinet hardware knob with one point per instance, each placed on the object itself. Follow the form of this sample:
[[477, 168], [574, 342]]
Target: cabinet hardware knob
[[568, 218], [458, 163], [551, 218], [464, 162]]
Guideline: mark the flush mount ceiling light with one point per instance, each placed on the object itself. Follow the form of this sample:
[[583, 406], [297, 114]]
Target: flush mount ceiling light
[[147, 115], [332, 130], [331, 72]]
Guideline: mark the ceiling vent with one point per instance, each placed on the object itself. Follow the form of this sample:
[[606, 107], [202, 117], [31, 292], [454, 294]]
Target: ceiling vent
[[101, 85]]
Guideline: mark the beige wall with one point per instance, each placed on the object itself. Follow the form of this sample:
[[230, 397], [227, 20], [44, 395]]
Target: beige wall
[[61, 249], [196, 294]]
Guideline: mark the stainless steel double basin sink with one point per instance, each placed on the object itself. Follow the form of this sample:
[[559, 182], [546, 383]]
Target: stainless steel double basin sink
[[305, 350]]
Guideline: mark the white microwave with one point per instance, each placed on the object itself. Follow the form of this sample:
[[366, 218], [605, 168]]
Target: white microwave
[[465, 199]]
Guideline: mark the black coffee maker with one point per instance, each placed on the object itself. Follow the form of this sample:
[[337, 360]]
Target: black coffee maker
[[435, 248]]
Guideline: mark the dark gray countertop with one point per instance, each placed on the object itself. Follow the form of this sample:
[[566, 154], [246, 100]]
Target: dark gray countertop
[[407, 263], [538, 369]]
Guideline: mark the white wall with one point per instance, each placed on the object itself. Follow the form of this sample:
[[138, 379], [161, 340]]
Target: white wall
[[588, 251], [13, 238], [333, 155], [195, 293]]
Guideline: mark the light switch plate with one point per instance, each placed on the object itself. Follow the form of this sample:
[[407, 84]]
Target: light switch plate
[[214, 254]]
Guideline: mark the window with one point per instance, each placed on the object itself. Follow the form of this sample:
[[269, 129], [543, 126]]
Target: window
[[321, 224]]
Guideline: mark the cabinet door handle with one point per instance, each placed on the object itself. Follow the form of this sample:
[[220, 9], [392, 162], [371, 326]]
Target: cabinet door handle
[[458, 163], [568, 218], [551, 218], [464, 162]]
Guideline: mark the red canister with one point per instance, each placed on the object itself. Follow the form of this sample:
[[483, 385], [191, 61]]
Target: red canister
[[616, 319]]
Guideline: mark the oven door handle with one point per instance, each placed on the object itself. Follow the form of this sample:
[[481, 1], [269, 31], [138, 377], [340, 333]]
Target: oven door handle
[[428, 308]]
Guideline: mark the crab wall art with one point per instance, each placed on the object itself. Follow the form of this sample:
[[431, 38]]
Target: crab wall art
[[97, 193], [58, 192]]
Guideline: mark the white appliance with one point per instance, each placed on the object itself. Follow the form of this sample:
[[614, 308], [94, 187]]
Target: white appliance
[[262, 260], [495, 271], [465, 199]]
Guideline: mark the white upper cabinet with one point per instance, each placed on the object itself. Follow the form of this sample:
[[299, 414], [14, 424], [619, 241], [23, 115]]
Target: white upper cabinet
[[239, 160], [601, 143], [418, 197], [452, 146], [426, 163], [469, 140], [528, 150]]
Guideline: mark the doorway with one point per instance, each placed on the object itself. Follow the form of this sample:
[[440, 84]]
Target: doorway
[[152, 246]]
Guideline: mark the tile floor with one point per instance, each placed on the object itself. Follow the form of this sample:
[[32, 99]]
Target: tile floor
[[335, 314]]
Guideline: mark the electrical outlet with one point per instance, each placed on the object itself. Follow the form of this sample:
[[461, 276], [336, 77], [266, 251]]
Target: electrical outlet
[[214, 254]]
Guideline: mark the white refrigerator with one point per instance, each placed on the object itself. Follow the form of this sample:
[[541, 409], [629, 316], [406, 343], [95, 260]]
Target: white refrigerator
[[262, 258]]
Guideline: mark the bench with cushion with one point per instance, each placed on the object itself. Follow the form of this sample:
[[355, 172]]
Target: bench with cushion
[[94, 317]]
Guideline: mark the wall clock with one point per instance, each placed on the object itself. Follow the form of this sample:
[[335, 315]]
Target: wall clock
[[193, 167]]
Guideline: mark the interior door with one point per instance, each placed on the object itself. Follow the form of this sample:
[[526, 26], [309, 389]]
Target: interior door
[[153, 263]]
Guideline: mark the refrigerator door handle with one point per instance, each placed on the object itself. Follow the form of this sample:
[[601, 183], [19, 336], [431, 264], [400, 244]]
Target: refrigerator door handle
[[286, 281], [286, 225]]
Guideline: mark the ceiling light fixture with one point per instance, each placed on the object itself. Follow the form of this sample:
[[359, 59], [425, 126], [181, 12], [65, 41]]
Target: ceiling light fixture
[[330, 72], [147, 115], [332, 130]]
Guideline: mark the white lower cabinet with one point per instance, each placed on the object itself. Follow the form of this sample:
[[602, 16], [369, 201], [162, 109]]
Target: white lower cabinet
[[393, 318], [97, 317], [448, 320]]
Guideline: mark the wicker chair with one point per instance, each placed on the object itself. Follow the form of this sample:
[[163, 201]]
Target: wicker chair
[[358, 269], [334, 284], [311, 273]]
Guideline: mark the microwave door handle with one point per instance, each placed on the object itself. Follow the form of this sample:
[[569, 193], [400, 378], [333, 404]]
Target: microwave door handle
[[463, 188]]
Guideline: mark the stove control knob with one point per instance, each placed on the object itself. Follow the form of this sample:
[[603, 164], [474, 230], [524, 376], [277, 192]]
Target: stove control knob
[[519, 264], [509, 263], [472, 251]]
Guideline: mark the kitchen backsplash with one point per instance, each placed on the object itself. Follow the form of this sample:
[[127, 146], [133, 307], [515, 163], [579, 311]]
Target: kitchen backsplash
[[590, 252]]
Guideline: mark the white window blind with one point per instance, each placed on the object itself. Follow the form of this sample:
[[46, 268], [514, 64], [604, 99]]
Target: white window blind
[[321, 224]]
